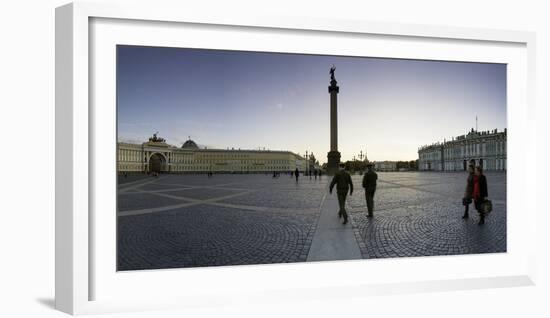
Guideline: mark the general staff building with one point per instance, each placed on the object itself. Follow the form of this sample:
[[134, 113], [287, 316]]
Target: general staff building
[[156, 155]]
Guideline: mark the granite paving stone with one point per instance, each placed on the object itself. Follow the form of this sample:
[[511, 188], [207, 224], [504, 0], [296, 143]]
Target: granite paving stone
[[196, 220]]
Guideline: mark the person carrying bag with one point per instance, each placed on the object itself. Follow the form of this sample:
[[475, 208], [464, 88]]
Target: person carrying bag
[[480, 194]]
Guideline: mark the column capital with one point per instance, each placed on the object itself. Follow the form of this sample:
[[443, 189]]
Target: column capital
[[333, 87]]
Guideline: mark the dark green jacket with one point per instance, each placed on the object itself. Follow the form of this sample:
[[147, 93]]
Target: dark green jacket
[[369, 180], [343, 183]]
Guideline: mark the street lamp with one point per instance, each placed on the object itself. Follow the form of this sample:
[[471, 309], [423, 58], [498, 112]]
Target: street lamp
[[305, 172], [361, 163], [312, 162]]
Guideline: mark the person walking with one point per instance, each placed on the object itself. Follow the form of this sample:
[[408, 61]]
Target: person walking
[[342, 180], [297, 174], [468, 193], [369, 183], [480, 192]]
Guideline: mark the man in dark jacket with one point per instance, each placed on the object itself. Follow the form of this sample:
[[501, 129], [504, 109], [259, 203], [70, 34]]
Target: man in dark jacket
[[369, 183], [343, 183], [297, 174]]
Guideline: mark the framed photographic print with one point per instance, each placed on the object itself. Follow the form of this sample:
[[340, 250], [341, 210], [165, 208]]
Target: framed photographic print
[[203, 159]]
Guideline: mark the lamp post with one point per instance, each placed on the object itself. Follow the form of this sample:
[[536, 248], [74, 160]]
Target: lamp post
[[361, 163], [312, 162], [305, 172]]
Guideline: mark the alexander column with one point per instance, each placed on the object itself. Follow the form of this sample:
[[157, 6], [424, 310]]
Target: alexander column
[[333, 155]]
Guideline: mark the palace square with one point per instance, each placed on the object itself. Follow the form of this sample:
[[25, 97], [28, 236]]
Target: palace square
[[185, 220]]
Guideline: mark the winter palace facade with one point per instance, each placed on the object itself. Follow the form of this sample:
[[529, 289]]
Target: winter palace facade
[[484, 148]]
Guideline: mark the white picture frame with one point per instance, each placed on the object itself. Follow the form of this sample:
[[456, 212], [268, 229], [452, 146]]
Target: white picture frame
[[77, 143]]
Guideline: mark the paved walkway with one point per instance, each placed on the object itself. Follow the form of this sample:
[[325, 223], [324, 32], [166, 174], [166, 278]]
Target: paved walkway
[[333, 240]]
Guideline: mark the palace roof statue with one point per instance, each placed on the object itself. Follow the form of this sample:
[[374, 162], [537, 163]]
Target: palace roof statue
[[156, 139]]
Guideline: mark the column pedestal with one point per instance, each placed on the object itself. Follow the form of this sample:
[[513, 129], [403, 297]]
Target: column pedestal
[[333, 161]]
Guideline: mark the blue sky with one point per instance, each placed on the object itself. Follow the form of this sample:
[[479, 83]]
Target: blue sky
[[388, 107]]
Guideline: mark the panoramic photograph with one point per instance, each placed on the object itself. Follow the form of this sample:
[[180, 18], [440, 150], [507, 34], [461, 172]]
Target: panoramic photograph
[[245, 158]]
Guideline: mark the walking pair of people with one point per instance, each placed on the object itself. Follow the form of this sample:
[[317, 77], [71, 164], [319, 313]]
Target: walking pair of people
[[476, 189], [343, 183]]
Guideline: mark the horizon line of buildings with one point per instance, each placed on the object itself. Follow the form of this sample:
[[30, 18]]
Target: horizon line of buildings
[[484, 148]]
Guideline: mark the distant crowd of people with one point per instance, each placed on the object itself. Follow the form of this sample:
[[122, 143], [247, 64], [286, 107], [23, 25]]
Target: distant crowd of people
[[312, 173]]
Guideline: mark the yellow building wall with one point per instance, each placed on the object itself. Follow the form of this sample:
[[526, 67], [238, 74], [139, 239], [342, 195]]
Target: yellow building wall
[[133, 158]]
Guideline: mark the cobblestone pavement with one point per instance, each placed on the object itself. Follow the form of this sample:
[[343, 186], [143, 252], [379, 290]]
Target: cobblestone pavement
[[191, 220], [419, 214]]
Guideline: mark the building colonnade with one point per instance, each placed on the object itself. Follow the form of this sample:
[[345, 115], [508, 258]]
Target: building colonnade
[[486, 149]]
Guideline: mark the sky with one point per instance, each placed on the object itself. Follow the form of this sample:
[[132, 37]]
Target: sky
[[249, 100]]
